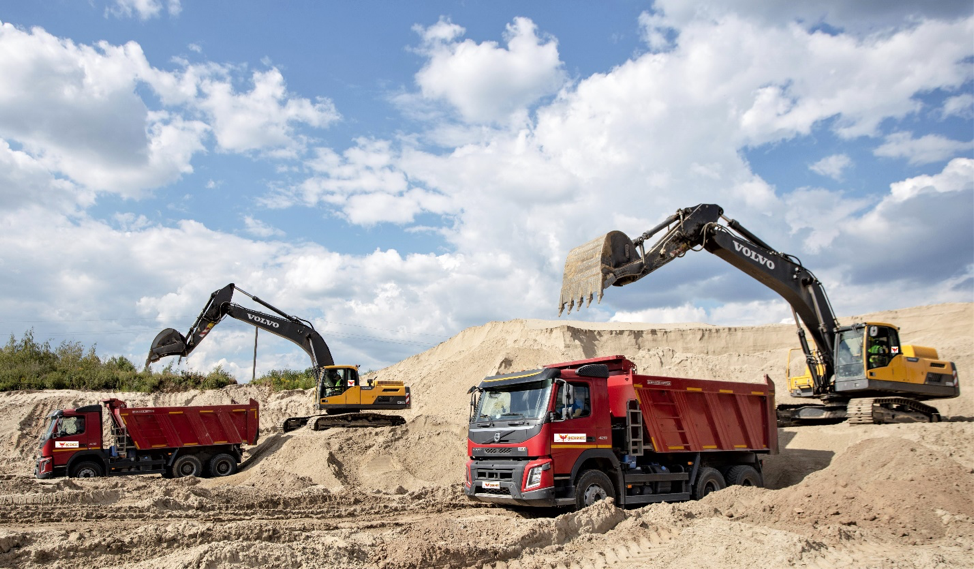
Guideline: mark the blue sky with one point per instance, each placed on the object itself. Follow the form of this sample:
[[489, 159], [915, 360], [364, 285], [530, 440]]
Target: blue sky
[[397, 172]]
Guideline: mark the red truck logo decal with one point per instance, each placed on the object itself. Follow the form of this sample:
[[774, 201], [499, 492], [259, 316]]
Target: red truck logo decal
[[569, 437], [65, 444]]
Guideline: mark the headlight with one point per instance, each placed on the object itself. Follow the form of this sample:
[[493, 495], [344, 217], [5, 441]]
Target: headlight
[[534, 477]]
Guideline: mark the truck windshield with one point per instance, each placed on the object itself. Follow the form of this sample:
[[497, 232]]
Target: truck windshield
[[519, 401], [49, 432], [848, 354]]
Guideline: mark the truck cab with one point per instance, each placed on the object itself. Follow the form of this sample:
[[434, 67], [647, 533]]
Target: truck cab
[[70, 436]]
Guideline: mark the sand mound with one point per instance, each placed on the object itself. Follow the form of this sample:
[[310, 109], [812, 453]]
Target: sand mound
[[837, 496]]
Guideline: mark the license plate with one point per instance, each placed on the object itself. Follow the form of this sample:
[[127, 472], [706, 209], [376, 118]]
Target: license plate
[[491, 485]]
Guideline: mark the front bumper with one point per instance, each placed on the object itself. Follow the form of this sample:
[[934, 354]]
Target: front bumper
[[504, 479]]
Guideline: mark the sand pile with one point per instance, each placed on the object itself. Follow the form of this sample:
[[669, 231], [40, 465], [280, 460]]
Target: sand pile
[[837, 496]]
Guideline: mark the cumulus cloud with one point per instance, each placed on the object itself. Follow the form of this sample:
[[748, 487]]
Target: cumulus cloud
[[832, 166], [258, 228], [485, 82], [924, 150], [960, 106], [75, 110], [143, 9]]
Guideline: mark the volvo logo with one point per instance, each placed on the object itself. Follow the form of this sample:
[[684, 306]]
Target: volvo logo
[[497, 437], [264, 321], [761, 259]]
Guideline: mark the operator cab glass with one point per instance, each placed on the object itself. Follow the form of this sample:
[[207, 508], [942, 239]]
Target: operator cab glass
[[513, 402], [864, 347], [334, 381]]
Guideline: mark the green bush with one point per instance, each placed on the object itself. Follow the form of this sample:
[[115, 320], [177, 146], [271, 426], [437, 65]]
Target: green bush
[[27, 364], [280, 380]]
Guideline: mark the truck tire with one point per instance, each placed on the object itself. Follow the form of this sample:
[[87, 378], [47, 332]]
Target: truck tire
[[87, 469], [709, 480], [593, 485], [187, 465], [744, 475], [223, 465]]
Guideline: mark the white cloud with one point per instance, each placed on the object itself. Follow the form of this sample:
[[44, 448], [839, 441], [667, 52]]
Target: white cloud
[[832, 166], [258, 228], [262, 118], [486, 82], [75, 109], [143, 9], [960, 106], [924, 150]]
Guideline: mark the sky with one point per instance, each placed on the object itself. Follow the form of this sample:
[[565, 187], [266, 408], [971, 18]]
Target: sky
[[396, 172]]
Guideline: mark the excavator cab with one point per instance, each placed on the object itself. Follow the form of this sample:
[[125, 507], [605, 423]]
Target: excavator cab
[[337, 385], [870, 361]]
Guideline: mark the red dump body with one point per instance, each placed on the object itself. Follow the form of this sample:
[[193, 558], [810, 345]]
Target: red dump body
[[695, 415], [175, 427]]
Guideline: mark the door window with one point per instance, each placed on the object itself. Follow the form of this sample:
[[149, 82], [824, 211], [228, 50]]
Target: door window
[[72, 426], [580, 407]]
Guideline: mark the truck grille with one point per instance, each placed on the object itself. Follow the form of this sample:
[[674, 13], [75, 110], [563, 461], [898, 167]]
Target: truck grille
[[498, 450], [494, 474], [495, 491]]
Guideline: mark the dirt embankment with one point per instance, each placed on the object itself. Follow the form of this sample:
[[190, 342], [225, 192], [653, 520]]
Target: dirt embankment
[[838, 496]]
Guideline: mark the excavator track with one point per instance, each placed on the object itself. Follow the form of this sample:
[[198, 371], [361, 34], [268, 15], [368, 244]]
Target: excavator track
[[345, 421], [810, 414], [879, 410]]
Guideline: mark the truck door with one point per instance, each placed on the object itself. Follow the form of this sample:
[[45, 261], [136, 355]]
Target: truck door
[[576, 428], [70, 437]]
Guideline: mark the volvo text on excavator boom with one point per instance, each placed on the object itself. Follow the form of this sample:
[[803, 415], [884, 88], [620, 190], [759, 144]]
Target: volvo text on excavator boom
[[338, 394], [860, 372]]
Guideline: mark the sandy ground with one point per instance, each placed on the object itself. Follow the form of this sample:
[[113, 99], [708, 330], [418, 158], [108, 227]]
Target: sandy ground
[[890, 496]]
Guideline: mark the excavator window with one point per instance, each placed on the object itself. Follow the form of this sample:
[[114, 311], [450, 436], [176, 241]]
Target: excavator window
[[884, 345]]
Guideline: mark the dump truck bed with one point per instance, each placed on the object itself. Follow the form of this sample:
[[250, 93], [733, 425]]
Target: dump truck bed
[[175, 427], [695, 415]]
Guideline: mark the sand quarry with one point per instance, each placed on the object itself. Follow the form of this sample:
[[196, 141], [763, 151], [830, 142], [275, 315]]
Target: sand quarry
[[887, 496]]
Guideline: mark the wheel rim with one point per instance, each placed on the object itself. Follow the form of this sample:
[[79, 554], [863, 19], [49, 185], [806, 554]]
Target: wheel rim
[[187, 469], [710, 486], [223, 467], [87, 472], [593, 494]]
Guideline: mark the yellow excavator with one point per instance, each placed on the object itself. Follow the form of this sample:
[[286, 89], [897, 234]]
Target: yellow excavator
[[861, 373], [339, 394]]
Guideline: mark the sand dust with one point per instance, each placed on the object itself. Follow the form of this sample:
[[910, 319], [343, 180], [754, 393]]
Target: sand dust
[[891, 496]]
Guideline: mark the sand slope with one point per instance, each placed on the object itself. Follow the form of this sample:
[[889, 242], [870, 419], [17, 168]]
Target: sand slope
[[837, 496]]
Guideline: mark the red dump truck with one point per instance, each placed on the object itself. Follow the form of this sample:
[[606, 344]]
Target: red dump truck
[[172, 441], [573, 433]]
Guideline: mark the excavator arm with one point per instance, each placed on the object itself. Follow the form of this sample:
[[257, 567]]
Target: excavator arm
[[170, 342], [615, 259]]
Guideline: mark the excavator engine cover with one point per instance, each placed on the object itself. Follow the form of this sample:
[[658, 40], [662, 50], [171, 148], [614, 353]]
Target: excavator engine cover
[[589, 268]]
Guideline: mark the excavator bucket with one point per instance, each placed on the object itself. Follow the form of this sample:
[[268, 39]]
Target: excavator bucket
[[169, 342], [590, 269]]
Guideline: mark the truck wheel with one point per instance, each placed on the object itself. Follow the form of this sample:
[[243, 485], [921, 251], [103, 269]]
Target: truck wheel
[[187, 465], [223, 465], [709, 480], [593, 485], [744, 475], [87, 469]]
